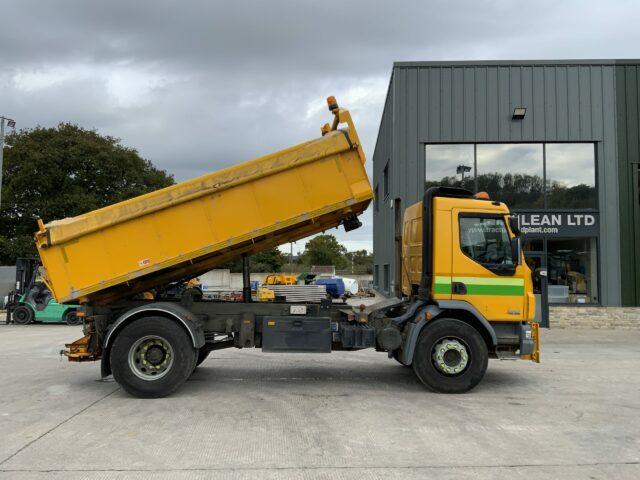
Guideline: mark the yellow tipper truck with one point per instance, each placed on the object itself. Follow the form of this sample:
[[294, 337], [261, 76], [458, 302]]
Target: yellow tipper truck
[[467, 292]]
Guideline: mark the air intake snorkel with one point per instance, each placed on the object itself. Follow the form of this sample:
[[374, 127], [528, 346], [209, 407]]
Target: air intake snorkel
[[424, 291]]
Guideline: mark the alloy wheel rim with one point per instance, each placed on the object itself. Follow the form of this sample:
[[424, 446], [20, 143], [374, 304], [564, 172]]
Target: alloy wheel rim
[[151, 357], [450, 356]]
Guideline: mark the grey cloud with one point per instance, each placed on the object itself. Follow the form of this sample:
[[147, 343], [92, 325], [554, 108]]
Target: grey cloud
[[199, 85]]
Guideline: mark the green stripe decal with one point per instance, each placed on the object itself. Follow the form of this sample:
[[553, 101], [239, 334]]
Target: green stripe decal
[[442, 288], [481, 285], [513, 290], [442, 285]]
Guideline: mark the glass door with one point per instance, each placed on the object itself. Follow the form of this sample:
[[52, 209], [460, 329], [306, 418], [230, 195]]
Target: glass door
[[537, 262]]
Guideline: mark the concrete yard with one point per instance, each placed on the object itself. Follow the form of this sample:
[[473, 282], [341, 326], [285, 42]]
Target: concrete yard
[[245, 414]]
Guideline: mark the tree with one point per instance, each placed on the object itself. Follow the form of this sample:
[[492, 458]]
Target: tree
[[324, 250], [53, 173], [519, 190], [268, 261], [362, 261]]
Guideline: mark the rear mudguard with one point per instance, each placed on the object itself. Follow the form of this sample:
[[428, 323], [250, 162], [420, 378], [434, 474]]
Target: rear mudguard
[[170, 310], [414, 328]]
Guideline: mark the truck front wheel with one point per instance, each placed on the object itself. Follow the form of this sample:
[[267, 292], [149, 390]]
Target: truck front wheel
[[152, 357], [450, 356]]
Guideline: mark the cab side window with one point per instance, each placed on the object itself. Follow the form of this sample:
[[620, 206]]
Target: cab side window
[[486, 240]]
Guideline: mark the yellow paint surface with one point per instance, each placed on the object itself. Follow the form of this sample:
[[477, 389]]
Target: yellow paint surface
[[187, 229], [451, 264]]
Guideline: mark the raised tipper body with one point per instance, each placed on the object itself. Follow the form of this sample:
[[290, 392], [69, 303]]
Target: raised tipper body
[[187, 229]]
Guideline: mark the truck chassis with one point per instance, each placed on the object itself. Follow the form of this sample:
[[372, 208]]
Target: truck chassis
[[151, 348]]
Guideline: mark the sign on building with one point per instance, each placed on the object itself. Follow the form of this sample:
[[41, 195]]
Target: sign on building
[[559, 224]]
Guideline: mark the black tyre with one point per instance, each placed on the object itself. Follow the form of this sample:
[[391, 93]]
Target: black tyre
[[152, 357], [22, 315], [450, 357], [71, 318]]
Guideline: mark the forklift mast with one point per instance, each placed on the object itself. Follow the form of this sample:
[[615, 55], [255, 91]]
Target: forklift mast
[[26, 273]]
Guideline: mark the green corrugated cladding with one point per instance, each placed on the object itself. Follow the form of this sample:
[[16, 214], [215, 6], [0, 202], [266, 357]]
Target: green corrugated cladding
[[628, 136]]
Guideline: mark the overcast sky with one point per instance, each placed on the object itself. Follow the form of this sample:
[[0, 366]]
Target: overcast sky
[[198, 85]]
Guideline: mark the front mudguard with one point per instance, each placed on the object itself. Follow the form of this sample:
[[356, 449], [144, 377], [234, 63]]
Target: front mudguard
[[431, 313]]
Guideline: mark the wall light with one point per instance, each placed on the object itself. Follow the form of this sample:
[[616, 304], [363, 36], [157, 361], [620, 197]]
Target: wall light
[[518, 113]]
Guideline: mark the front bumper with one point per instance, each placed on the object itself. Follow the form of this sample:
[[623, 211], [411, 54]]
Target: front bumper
[[530, 342]]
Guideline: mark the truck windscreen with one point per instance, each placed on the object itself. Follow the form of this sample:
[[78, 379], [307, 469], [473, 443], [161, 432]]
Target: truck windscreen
[[486, 240]]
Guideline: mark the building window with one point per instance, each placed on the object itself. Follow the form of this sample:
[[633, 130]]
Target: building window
[[451, 165], [572, 270], [550, 182], [512, 173], [516, 173], [385, 180], [386, 280], [571, 175], [376, 275]]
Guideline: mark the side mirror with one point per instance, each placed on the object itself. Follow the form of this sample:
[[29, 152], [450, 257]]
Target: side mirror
[[516, 250], [514, 225]]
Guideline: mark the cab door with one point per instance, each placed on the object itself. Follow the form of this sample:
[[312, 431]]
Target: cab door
[[483, 270]]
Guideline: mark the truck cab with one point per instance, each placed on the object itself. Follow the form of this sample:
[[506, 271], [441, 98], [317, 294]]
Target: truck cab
[[467, 292], [476, 258]]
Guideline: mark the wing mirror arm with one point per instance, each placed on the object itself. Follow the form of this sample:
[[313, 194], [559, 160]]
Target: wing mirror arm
[[516, 250], [514, 225]]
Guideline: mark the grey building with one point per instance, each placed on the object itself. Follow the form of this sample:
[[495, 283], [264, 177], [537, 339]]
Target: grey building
[[568, 164]]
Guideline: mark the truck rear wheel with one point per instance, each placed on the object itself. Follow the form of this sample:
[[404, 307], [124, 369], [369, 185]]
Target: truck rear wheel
[[152, 357], [22, 315], [450, 357]]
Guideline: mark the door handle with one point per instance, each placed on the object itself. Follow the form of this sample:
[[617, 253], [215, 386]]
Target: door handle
[[458, 288]]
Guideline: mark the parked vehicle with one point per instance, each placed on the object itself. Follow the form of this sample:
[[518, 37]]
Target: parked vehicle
[[31, 301], [280, 279], [470, 301], [335, 286], [351, 286]]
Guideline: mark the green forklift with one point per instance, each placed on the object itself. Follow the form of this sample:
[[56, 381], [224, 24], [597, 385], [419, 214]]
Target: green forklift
[[31, 301]]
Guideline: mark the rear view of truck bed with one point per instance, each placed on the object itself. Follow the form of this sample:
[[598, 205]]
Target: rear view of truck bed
[[187, 229]]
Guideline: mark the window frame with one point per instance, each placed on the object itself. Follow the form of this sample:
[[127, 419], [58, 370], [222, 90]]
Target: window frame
[[595, 175], [598, 284], [385, 181], [376, 199], [503, 270], [386, 277]]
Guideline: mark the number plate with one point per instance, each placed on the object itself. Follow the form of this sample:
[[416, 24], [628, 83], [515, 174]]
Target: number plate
[[298, 310]]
